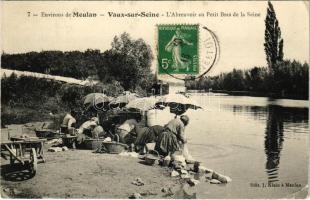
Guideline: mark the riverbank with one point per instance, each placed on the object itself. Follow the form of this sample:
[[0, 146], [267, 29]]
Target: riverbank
[[235, 140], [83, 174], [254, 94]]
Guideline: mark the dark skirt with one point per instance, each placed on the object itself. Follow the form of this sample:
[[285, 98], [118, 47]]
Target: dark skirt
[[148, 135], [64, 129], [167, 142]]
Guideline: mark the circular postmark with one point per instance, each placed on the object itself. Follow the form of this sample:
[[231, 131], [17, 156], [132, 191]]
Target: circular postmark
[[185, 51]]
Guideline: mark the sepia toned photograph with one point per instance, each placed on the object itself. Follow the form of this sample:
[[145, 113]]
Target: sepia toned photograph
[[154, 100]]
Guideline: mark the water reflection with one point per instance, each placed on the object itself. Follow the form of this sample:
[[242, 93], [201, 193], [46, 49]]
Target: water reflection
[[282, 123], [273, 142]]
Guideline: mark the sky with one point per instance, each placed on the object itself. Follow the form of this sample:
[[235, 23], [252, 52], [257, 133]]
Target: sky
[[241, 39]]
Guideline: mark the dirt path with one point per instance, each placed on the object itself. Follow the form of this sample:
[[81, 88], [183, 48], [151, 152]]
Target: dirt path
[[83, 174]]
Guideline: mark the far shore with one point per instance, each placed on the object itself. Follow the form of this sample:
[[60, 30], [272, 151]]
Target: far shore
[[254, 94]]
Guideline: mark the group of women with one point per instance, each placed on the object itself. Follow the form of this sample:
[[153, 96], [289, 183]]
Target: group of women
[[88, 129], [168, 139]]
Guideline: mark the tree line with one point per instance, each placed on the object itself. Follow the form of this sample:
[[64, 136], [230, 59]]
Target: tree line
[[128, 62], [280, 78], [125, 66], [289, 79]]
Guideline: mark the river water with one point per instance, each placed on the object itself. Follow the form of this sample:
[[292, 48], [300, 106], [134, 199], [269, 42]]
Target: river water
[[254, 140]]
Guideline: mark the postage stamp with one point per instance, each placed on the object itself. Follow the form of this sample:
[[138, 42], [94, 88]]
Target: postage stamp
[[178, 49]]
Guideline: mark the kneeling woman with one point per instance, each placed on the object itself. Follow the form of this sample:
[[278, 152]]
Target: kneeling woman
[[146, 135], [172, 139], [89, 129]]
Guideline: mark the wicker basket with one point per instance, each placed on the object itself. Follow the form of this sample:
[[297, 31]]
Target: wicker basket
[[45, 133], [93, 144], [114, 147], [150, 158]]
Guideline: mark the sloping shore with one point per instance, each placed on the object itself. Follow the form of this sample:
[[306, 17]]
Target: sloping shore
[[83, 174]]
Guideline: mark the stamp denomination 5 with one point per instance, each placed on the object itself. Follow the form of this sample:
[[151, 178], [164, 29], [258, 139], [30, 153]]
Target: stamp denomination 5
[[178, 49]]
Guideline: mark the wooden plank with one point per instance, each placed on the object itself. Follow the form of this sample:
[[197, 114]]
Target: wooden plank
[[15, 130], [31, 141], [13, 154]]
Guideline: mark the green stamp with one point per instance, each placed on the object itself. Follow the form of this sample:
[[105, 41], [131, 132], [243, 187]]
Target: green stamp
[[178, 49]]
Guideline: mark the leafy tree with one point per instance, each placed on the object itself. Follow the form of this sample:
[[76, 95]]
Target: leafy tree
[[291, 77], [113, 89], [128, 61], [273, 41], [255, 79], [234, 80]]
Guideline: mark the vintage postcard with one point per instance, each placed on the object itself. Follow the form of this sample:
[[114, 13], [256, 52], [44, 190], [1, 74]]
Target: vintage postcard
[[155, 100]]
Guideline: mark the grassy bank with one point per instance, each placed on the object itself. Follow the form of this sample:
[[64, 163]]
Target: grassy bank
[[26, 99]]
